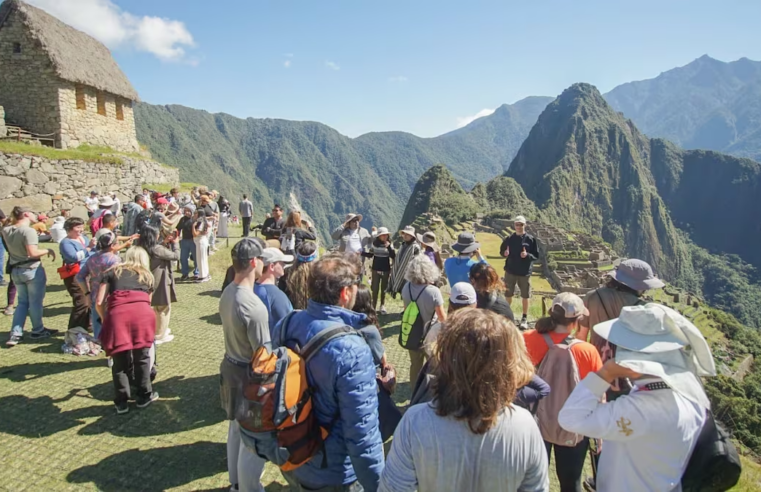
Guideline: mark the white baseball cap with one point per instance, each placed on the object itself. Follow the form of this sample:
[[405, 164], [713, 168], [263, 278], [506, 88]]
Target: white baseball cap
[[274, 255], [463, 293], [521, 219]]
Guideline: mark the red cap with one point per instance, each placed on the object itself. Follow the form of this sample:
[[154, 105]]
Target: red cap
[[162, 201]]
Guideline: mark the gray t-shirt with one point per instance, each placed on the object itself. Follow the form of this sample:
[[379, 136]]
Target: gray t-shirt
[[432, 453], [244, 322], [428, 300], [246, 208], [17, 239]]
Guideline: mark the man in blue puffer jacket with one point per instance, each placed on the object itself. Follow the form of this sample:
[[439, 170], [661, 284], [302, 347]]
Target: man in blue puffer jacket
[[342, 374]]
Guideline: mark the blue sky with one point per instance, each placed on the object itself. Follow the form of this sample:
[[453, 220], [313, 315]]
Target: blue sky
[[414, 65]]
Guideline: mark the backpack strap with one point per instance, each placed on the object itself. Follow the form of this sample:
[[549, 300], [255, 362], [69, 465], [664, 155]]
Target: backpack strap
[[318, 341], [548, 340]]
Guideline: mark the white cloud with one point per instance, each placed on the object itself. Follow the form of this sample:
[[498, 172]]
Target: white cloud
[[332, 65], [398, 78], [466, 120], [166, 39], [287, 63]]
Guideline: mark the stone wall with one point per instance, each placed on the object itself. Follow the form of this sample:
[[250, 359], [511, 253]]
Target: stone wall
[[49, 186], [88, 126], [28, 83], [3, 130]]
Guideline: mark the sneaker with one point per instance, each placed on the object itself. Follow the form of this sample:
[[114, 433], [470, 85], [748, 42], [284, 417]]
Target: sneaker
[[122, 408], [45, 333], [14, 340], [184, 278], [524, 323], [383, 310], [589, 484], [166, 339], [151, 398], [8, 311]]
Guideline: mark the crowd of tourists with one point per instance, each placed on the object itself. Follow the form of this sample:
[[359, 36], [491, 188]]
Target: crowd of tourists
[[305, 382]]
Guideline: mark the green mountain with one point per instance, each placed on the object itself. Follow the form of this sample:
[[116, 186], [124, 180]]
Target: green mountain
[[707, 104], [437, 191], [325, 172], [588, 168]]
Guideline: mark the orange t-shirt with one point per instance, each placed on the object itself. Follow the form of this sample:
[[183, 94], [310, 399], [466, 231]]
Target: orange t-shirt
[[586, 355]]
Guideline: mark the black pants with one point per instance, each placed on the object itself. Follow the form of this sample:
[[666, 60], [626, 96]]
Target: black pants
[[246, 226], [124, 363], [569, 464], [80, 312], [379, 283]]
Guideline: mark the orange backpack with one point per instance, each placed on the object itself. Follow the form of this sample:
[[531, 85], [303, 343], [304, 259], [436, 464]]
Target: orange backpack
[[276, 418]]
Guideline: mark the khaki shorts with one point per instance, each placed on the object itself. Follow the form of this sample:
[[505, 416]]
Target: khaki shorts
[[524, 284]]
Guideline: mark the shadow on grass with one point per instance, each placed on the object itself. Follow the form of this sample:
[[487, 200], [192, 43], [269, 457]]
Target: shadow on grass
[[55, 288], [213, 319], [184, 404], [26, 372], [154, 469], [51, 312], [211, 293]]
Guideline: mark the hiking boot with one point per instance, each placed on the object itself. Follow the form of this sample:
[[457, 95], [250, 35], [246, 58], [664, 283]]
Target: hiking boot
[[122, 408], [14, 340], [151, 398], [8, 311], [45, 333], [383, 310], [524, 323]]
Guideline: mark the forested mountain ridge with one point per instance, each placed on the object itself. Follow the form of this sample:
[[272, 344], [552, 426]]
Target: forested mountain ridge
[[706, 104], [329, 173]]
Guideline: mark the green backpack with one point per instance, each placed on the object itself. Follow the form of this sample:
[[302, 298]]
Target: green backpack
[[414, 327]]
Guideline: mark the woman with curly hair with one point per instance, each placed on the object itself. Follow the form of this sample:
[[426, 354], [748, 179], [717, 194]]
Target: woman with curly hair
[[296, 278], [490, 290], [129, 326], [480, 362]]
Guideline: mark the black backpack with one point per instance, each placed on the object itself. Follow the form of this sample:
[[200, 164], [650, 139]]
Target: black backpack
[[714, 465]]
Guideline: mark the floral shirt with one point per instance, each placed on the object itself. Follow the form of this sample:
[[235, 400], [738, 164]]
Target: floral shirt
[[94, 269]]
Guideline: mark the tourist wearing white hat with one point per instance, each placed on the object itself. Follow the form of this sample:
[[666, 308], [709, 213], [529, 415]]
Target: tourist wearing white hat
[[383, 253], [649, 434], [351, 236], [520, 251]]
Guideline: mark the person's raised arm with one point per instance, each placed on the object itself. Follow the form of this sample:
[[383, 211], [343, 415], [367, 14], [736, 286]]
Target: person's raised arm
[[336, 234], [618, 420], [504, 249]]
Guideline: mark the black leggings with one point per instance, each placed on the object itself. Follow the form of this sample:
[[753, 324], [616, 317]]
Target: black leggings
[[569, 464]]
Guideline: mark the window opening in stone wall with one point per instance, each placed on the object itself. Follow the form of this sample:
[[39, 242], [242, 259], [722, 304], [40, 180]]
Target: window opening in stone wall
[[80, 96], [16, 48], [119, 110], [101, 103]]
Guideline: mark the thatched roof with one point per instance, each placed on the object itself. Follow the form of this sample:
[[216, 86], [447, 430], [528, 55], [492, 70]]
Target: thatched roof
[[76, 56]]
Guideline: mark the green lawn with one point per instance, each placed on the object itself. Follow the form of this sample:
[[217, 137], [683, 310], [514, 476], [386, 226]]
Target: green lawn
[[88, 153]]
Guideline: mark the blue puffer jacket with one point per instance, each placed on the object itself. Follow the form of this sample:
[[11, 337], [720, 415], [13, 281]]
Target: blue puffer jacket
[[345, 400]]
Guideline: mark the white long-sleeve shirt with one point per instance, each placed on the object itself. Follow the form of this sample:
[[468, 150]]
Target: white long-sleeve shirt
[[648, 436], [432, 454]]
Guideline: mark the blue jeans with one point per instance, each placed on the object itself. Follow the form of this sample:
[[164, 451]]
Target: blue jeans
[[31, 283], [187, 251], [95, 319]]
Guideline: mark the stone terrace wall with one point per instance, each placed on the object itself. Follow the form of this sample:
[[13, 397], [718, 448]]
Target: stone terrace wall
[[49, 186], [3, 130]]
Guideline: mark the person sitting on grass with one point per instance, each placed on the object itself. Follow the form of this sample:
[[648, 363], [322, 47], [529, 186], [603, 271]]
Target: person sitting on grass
[[129, 326]]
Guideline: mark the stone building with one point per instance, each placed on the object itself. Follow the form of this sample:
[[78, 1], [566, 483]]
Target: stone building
[[57, 81]]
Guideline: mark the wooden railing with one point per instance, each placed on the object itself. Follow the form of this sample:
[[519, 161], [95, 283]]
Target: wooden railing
[[20, 135]]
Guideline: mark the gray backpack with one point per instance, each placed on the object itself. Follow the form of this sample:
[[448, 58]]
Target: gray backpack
[[559, 370]]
